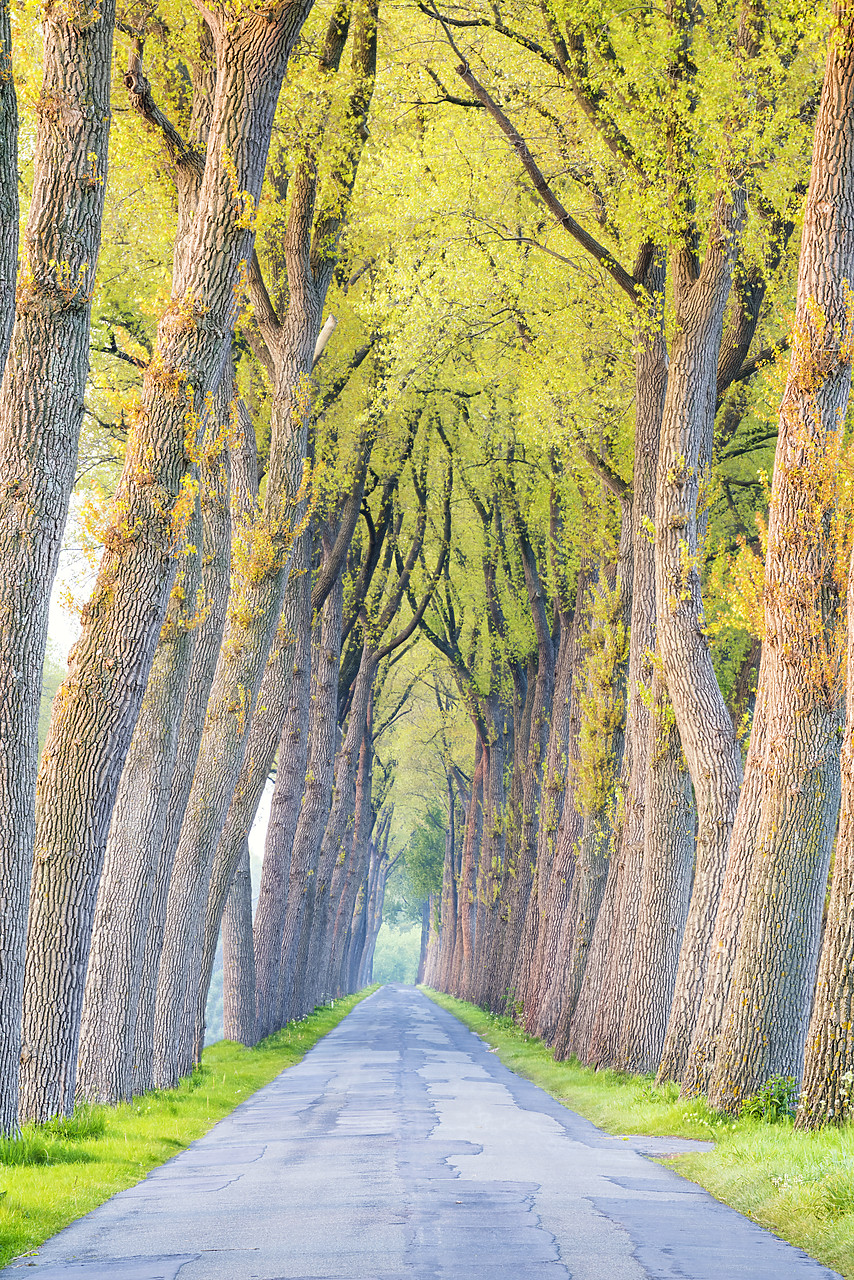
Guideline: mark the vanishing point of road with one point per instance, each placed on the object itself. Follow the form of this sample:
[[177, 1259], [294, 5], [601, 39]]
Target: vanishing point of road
[[400, 1148]]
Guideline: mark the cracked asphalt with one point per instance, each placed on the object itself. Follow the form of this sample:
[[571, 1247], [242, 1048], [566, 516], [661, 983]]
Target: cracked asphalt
[[401, 1148]]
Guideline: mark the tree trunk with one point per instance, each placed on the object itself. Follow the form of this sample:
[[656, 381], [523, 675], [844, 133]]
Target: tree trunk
[[625, 871], [314, 987], [688, 1056], [426, 918], [826, 1096], [532, 778], [705, 728], [560, 822], [281, 718], [238, 957], [41, 409], [123, 906], [216, 571], [767, 1012], [9, 213], [464, 976], [355, 865], [668, 866], [316, 804]]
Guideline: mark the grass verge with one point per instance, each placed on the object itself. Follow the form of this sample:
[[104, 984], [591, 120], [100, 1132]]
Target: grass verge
[[56, 1172], [800, 1185]]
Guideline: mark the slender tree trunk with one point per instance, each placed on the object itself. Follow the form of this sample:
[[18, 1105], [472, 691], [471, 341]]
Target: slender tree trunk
[[41, 408], [338, 825], [532, 780], [238, 957], [316, 804], [355, 865], [767, 1012], [426, 919], [281, 718], [465, 977]]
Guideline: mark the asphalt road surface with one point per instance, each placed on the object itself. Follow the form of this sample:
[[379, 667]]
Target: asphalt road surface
[[401, 1148]]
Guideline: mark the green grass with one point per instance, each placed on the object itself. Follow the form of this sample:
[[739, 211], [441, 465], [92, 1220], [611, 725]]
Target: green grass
[[56, 1172], [800, 1185]]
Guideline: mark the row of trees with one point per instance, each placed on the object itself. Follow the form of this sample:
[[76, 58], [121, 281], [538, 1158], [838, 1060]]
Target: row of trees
[[615, 874], [386, 438]]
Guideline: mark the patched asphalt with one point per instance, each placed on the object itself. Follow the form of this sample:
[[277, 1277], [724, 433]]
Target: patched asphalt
[[401, 1148]]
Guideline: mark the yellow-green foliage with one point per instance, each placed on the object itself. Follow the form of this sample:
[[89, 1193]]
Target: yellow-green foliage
[[602, 700], [57, 1172], [800, 1185]]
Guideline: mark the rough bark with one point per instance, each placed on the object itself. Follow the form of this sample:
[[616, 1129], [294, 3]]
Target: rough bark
[[560, 824], [123, 905], [238, 957], [355, 864], [216, 522], [767, 1012], [317, 800], [689, 1055], [668, 866], [615, 933], [313, 980], [9, 214], [280, 718], [41, 407], [462, 978], [827, 1091], [311, 240], [532, 778], [111, 661]]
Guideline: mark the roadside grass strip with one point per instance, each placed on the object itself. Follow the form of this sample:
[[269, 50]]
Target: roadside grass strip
[[799, 1184], [56, 1172]]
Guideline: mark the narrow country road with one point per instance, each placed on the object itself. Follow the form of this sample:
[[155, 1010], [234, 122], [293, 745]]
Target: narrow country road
[[401, 1148]]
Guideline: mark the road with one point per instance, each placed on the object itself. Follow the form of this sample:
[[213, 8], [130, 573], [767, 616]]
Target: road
[[401, 1148]]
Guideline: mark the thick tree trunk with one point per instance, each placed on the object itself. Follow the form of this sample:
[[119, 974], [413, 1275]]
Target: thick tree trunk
[[449, 921], [689, 1056], [705, 728], [600, 747], [238, 957], [827, 1091], [767, 1012], [216, 571], [123, 906], [9, 213], [41, 408], [615, 929], [668, 866]]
